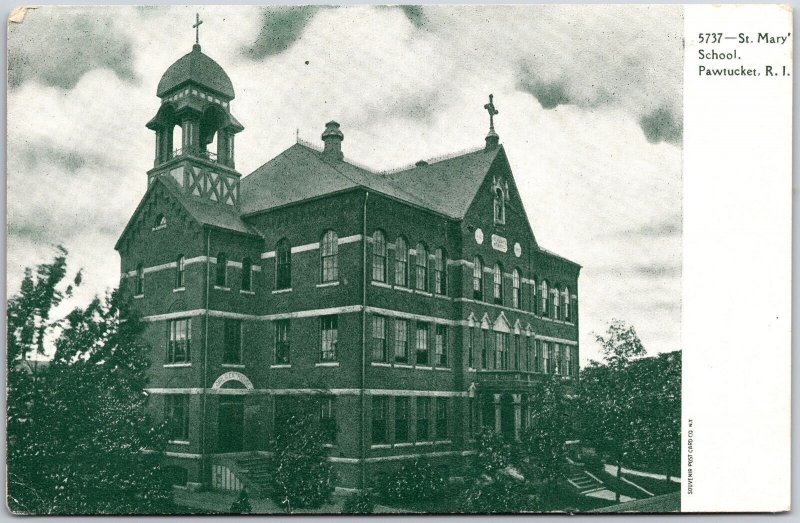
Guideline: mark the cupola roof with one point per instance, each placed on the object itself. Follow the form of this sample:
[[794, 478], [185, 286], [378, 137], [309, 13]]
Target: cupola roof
[[196, 67]]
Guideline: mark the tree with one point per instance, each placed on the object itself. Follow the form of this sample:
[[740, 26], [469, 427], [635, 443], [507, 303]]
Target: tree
[[620, 345], [302, 477], [77, 429]]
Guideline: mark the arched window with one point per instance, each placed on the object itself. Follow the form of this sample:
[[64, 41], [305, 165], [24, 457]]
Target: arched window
[[477, 278], [515, 289], [179, 268], [378, 257], [440, 272], [556, 307], [222, 270], [401, 262], [499, 206], [283, 264], [543, 296], [247, 275], [565, 302], [422, 267], [139, 284], [330, 257], [160, 222], [497, 284]]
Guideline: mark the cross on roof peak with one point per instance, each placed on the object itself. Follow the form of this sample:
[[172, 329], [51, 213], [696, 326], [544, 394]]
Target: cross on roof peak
[[492, 112], [196, 27]]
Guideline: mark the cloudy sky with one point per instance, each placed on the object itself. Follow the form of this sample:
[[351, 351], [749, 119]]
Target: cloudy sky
[[590, 103]]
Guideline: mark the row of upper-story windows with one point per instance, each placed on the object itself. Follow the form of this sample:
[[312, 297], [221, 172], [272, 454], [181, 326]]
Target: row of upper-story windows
[[427, 277], [492, 350]]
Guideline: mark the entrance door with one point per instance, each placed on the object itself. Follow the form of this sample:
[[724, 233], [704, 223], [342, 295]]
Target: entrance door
[[230, 424]]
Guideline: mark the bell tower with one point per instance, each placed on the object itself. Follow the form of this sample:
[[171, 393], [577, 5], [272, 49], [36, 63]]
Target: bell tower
[[195, 128]]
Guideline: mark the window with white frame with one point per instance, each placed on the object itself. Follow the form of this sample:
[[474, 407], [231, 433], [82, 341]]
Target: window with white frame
[[283, 264], [180, 265], [400, 341], [544, 296], [516, 280], [180, 340], [421, 280], [441, 345], [232, 341], [330, 334], [565, 301], [422, 344], [497, 286], [282, 342], [401, 262], [378, 256], [327, 419], [499, 206], [401, 419], [330, 257], [423, 418], [380, 415], [440, 272], [477, 278], [379, 348], [441, 419]]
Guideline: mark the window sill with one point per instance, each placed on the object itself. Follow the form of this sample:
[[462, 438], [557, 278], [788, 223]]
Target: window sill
[[281, 291], [138, 296], [281, 366], [381, 284], [380, 446], [380, 364], [174, 365], [423, 367], [403, 366], [404, 289], [159, 227], [178, 442], [328, 284], [329, 445], [327, 364], [233, 365], [404, 444], [443, 297], [470, 369], [444, 368], [179, 289], [421, 443], [443, 442], [218, 288], [249, 293], [423, 293]]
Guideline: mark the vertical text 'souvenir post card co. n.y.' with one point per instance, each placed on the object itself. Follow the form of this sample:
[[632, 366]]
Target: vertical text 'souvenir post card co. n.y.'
[[398, 259]]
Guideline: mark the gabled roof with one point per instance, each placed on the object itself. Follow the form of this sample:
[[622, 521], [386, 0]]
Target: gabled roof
[[301, 173], [204, 212]]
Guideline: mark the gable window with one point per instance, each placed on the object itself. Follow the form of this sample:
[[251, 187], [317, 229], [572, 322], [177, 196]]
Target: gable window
[[422, 268], [247, 275], [498, 284], [401, 411], [400, 341], [422, 343], [222, 270], [441, 418], [441, 345], [440, 272], [544, 299], [180, 339], [283, 264], [330, 333], [232, 350], [565, 302], [179, 268], [380, 413], [139, 283], [176, 414], [378, 257], [327, 419], [379, 352], [330, 257], [423, 418], [477, 278], [282, 342], [160, 222], [499, 206], [515, 289], [401, 262]]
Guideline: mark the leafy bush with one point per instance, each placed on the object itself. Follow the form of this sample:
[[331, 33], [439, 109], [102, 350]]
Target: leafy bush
[[362, 502], [501, 493], [415, 481], [242, 503], [593, 463]]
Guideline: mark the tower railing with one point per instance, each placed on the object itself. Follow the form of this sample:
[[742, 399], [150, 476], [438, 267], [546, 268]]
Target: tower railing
[[197, 153]]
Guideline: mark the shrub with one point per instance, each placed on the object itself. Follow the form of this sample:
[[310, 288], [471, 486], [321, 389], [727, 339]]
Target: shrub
[[362, 502], [593, 463], [242, 503], [415, 481]]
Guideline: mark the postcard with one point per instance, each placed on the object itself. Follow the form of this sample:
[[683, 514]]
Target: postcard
[[398, 259]]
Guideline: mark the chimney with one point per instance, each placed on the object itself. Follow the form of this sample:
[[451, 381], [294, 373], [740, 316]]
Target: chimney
[[333, 141]]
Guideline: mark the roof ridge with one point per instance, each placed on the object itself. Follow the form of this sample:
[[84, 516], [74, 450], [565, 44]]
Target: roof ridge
[[434, 160]]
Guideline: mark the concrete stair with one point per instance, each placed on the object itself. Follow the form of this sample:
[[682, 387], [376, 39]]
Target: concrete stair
[[253, 472], [583, 481]]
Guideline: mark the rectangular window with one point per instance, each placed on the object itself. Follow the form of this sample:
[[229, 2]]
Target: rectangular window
[[180, 340], [423, 419], [441, 345], [557, 358], [471, 347], [568, 361], [400, 341], [327, 419], [530, 364], [401, 411], [517, 352], [485, 350], [422, 343], [441, 419], [282, 332], [501, 350], [380, 411], [546, 358], [379, 339], [232, 351], [330, 333], [176, 414]]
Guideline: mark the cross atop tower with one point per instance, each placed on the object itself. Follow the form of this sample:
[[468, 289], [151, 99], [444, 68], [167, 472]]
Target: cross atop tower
[[196, 27], [491, 139]]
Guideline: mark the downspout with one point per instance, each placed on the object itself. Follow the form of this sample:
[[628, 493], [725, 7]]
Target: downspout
[[362, 462], [203, 415]]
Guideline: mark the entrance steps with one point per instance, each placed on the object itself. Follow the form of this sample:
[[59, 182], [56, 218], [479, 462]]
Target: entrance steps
[[254, 473]]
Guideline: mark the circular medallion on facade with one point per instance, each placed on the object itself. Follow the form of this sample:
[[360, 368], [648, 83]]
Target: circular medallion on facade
[[478, 236], [517, 250]]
